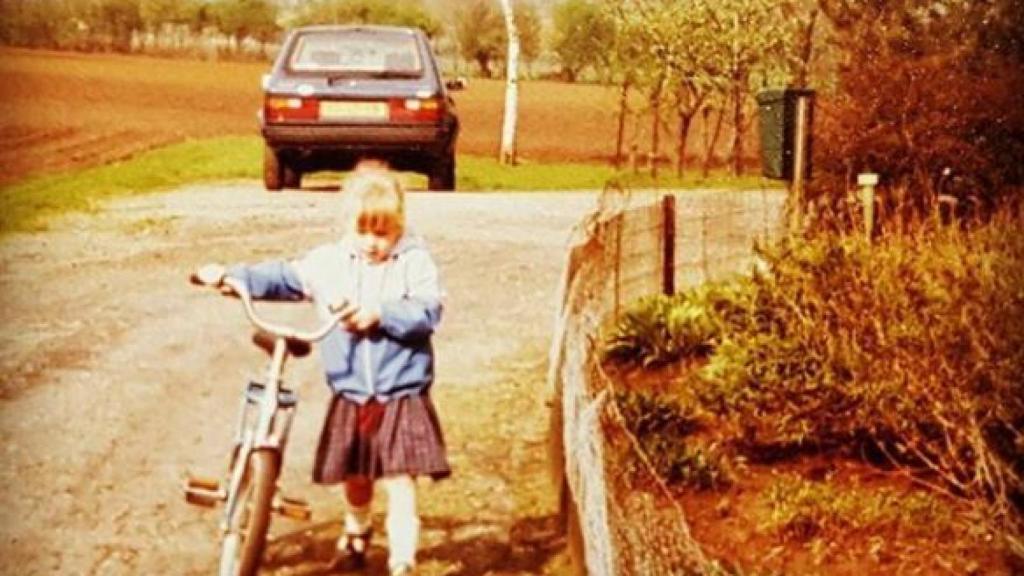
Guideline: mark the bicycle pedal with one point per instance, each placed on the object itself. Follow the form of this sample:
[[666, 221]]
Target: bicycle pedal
[[202, 482], [293, 508], [203, 492]]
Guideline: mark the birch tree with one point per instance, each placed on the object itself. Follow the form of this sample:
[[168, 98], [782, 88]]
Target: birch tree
[[507, 154]]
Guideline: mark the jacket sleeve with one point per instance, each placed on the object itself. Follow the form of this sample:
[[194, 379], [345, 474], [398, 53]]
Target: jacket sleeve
[[272, 280], [418, 312]]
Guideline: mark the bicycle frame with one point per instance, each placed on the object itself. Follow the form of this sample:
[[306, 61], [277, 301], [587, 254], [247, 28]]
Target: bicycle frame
[[260, 436], [266, 433]]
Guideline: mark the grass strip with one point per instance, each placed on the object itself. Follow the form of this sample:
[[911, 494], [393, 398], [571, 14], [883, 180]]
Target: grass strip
[[29, 205]]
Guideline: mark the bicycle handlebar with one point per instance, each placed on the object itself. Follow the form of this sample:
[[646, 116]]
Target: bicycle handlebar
[[237, 288]]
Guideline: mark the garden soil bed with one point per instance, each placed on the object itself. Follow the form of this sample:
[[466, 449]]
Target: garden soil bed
[[731, 523]]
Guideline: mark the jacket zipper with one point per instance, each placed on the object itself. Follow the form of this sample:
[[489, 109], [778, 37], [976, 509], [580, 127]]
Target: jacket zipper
[[367, 358], [364, 340]]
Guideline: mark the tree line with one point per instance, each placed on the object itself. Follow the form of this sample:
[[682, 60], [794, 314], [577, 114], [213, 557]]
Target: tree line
[[471, 29], [926, 92], [929, 94]]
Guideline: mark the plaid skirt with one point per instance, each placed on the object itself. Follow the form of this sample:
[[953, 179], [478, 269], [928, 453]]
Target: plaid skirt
[[402, 436]]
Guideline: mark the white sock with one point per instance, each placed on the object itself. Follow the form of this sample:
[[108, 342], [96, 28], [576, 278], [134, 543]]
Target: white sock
[[357, 519], [402, 523]]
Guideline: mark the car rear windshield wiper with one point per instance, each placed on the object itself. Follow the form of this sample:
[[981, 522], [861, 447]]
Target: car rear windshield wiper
[[375, 75]]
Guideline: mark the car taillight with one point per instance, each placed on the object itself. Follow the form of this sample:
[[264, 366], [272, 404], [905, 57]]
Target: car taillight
[[280, 108], [415, 109]]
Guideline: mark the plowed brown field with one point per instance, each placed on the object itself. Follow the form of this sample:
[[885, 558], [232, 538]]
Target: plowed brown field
[[64, 110]]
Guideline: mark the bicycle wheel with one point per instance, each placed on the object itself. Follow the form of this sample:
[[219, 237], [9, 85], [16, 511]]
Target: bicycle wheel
[[242, 548]]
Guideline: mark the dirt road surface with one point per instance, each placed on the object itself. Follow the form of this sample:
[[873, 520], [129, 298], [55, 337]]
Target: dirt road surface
[[118, 377]]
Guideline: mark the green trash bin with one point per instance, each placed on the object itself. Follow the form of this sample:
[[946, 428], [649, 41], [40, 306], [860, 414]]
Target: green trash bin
[[777, 114]]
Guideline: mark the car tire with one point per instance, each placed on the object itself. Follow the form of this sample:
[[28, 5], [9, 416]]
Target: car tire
[[273, 171], [291, 177], [442, 175]]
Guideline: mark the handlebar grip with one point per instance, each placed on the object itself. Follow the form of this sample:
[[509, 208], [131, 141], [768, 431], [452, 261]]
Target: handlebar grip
[[193, 278]]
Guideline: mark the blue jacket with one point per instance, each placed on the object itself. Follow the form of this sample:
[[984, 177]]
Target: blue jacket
[[395, 359]]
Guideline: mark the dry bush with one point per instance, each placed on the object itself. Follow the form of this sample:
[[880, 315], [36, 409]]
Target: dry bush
[[911, 347]]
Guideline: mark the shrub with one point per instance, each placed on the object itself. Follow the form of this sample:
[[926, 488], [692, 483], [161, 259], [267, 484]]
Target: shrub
[[916, 344], [917, 102], [662, 329], [912, 346], [661, 426]]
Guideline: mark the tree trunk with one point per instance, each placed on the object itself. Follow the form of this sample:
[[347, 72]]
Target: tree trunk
[[652, 160], [685, 120], [485, 66], [621, 133], [737, 124], [508, 128], [709, 147]]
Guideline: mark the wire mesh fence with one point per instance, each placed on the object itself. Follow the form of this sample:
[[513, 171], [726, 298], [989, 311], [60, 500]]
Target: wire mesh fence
[[633, 246]]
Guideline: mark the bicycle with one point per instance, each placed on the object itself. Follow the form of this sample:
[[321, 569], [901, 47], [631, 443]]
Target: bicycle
[[249, 492]]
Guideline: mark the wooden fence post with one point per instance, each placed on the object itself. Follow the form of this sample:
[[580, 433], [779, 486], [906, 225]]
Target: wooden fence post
[[800, 159], [668, 267]]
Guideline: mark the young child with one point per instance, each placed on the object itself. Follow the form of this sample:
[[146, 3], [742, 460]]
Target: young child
[[381, 425]]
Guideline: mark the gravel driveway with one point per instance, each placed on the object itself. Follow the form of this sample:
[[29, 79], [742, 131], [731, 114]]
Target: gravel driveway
[[118, 377]]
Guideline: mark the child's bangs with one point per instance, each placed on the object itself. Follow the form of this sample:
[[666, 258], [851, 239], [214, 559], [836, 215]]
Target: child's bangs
[[378, 222]]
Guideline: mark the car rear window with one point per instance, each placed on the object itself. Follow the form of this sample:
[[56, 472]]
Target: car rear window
[[357, 52]]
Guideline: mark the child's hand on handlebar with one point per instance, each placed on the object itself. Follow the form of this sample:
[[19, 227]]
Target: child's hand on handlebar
[[209, 275], [356, 318]]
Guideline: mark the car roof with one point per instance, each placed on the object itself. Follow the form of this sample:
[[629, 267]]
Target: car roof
[[351, 27]]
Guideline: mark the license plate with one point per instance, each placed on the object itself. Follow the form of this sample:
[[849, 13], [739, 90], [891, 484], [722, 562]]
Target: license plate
[[353, 110]]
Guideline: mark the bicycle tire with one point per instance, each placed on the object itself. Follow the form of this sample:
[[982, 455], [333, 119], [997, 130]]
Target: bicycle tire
[[243, 546]]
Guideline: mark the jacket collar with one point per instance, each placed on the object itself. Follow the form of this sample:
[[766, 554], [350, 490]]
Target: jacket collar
[[408, 241]]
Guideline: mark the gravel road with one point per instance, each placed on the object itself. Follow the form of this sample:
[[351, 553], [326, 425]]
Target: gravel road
[[118, 377]]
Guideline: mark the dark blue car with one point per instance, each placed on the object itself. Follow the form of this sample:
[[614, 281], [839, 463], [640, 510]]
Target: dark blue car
[[340, 94]]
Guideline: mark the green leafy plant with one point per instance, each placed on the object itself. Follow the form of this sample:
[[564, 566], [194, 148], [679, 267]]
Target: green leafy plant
[[799, 509], [662, 425], [662, 329]]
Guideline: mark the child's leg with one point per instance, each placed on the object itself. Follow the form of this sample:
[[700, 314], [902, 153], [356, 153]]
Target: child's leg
[[402, 522], [358, 495]]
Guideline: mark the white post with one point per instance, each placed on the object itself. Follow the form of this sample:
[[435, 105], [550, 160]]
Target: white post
[[867, 181], [507, 155]]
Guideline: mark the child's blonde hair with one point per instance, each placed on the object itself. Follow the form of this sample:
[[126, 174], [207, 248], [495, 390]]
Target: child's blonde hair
[[374, 201]]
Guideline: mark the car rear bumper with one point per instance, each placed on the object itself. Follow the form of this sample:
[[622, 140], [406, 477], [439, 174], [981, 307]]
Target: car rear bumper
[[428, 137]]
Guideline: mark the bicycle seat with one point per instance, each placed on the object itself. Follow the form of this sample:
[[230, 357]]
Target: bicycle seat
[[265, 340]]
